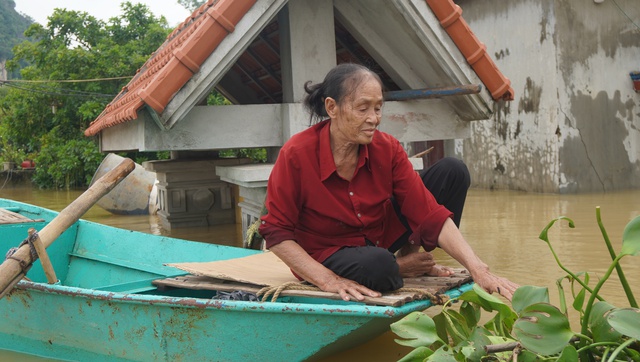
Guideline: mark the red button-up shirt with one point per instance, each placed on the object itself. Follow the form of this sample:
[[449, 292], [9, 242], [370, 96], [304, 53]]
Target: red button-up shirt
[[308, 202]]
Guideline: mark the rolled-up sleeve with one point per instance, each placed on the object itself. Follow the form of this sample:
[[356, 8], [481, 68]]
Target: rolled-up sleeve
[[427, 233], [425, 216], [282, 202]]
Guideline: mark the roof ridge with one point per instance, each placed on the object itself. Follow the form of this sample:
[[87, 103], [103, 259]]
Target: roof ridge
[[174, 62], [187, 47], [475, 52]]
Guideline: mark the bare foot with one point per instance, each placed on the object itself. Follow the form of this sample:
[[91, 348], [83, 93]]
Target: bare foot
[[440, 271], [415, 264]]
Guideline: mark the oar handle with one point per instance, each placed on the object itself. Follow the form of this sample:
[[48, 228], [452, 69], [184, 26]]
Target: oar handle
[[11, 269], [72, 213]]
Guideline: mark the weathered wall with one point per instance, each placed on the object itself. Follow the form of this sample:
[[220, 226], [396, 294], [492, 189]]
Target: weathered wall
[[575, 123]]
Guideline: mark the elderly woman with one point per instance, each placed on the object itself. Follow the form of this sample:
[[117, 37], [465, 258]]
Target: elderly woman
[[346, 210]]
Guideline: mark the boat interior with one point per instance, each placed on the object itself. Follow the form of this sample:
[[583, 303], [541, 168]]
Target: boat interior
[[101, 258], [89, 255]]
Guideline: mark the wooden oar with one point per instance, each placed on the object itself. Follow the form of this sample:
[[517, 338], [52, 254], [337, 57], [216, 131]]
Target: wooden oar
[[12, 270]]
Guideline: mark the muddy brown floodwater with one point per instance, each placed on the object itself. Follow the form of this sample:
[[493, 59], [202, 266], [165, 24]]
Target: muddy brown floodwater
[[501, 226]]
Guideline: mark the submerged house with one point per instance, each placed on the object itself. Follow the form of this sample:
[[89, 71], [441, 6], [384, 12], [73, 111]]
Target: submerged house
[[574, 126], [259, 54]]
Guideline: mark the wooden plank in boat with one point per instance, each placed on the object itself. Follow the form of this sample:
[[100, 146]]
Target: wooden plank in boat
[[207, 283], [253, 272], [10, 217], [440, 284]]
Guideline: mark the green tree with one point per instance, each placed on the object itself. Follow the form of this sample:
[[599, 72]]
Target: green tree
[[191, 4], [76, 65]]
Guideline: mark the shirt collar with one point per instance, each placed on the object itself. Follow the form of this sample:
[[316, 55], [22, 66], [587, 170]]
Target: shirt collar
[[327, 165]]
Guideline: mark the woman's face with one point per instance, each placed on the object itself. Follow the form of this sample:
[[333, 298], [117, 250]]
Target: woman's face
[[357, 118]]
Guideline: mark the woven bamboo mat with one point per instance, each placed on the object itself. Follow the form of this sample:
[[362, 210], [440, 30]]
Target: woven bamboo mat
[[252, 273]]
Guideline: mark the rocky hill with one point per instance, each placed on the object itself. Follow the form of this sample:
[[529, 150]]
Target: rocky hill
[[12, 27]]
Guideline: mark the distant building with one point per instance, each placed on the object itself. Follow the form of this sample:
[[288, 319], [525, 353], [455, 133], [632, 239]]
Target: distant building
[[3, 69]]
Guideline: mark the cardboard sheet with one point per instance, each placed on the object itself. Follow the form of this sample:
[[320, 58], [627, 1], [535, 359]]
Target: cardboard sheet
[[251, 273], [264, 269]]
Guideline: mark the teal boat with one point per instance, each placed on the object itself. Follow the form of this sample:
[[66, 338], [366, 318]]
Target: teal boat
[[105, 307]]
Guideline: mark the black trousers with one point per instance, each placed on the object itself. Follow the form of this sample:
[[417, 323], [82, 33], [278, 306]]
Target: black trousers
[[376, 268]]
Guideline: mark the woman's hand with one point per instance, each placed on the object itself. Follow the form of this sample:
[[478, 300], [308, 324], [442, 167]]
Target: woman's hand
[[493, 283], [348, 289], [451, 241], [317, 274]]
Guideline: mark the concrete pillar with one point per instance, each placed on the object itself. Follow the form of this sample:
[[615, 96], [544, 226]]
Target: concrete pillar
[[307, 45], [302, 60]]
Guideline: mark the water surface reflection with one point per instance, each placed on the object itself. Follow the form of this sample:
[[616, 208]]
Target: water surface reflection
[[502, 227]]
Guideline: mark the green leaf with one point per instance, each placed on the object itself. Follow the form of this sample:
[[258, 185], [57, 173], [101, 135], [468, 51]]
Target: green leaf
[[528, 356], [633, 354], [542, 328], [600, 327], [488, 302], [578, 302], [458, 326], [419, 354], [443, 354], [544, 233], [417, 329], [471, 313], [441, 326], [502, 322], [562, 297], [626, 321], [473, 348], [569, 354], [527, 295], [631, 238]]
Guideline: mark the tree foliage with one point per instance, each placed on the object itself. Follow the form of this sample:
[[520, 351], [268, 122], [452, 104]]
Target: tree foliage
[[76, 65], [191, 5]]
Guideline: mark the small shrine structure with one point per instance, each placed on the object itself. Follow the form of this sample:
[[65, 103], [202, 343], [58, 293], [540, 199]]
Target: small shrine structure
[[258, 54]]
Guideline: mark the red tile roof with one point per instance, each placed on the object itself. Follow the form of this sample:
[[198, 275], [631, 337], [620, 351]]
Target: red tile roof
[[189, 45], [173, 64], [450, 16]]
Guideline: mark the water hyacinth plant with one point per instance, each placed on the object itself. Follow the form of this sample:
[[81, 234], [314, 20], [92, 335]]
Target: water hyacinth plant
[[532, 329]]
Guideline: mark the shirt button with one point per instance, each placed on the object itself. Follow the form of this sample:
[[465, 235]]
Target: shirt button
[[377, 242], [264, 222], [350, 193], [359, 215]]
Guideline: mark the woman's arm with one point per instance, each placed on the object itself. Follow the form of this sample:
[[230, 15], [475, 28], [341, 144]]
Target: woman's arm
[[454, 244], [317, 274]]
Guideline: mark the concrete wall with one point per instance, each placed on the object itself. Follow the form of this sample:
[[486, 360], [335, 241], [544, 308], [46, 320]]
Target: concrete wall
[[575, 123]]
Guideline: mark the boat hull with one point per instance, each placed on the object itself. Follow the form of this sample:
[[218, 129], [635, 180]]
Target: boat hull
[[105, 307], [70, 324]]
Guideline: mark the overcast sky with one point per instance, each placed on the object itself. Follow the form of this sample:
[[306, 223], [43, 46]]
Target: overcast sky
[[39, 10]]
